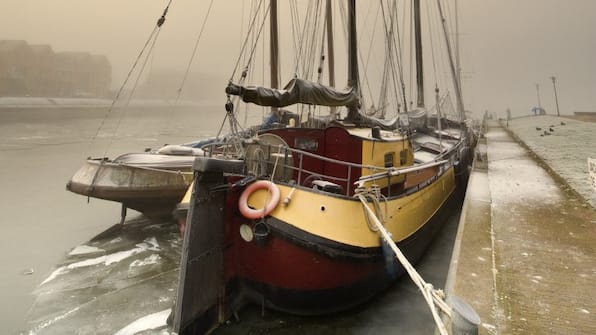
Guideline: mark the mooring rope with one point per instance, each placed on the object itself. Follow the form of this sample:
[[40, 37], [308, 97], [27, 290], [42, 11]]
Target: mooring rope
[[434, 298]]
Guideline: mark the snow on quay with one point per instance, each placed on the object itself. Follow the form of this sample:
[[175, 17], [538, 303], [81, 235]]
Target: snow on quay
[[564, 144]]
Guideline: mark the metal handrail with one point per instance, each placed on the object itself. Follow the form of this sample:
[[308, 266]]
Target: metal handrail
[[385, 172]]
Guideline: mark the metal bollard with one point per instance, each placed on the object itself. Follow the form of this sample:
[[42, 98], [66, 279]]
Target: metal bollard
[[464, 319]]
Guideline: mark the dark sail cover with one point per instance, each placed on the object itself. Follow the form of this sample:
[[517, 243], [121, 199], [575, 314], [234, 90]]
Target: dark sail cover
[[296, 91]]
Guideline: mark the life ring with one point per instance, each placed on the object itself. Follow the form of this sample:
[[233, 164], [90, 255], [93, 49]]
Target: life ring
[[250, 213]]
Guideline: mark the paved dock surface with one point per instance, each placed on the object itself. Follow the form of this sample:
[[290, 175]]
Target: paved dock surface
[[525, 252]]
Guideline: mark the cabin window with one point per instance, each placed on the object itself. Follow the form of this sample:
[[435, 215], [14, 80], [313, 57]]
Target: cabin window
[[403, 157], [305, 143], [389, 159]]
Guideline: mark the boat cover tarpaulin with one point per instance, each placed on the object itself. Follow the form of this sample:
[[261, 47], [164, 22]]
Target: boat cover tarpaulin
[[296, 91]]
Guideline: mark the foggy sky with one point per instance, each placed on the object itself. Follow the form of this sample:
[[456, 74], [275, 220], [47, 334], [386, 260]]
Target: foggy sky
[[507, 46]]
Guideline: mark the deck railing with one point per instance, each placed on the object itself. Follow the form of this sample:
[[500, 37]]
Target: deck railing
[[279, 162]]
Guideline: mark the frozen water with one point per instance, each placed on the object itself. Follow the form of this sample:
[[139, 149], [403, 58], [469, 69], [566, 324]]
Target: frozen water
[[106, 259], [84, 249], [151, 321], [153, 259], [105, 294]]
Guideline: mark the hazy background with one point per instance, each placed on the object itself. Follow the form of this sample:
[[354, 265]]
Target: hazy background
[[507, 46]]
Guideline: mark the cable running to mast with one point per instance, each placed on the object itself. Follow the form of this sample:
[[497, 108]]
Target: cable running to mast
[[150, 40]]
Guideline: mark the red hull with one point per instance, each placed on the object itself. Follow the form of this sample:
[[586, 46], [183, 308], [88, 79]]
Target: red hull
[[296, 272]]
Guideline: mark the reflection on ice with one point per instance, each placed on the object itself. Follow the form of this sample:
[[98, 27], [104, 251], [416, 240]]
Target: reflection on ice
[[50, 322], [153, 259], [84, 249], [125, 274], [152, 321], [153, 245], [148, 244]]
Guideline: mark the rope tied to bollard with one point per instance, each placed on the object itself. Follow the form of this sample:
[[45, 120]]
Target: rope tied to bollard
[[434, 298]]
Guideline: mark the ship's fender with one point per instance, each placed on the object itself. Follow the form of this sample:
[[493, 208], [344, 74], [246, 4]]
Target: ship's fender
[[272, 202]]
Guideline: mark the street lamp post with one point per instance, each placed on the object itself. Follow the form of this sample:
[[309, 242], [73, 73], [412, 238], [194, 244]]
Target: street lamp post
[[538, 95], [553, 78]]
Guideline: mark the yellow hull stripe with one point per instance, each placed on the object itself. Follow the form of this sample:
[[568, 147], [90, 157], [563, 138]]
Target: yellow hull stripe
[[343, 220]]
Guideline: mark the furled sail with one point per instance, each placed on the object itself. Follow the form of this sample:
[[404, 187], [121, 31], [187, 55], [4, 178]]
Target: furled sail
[[296, 91]]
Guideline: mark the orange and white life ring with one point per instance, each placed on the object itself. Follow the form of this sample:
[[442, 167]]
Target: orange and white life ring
[[250, 213]]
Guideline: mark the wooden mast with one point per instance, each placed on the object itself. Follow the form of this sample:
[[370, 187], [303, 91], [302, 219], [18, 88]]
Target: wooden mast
[[418, 47], [274, 48], [330, 48], [330, 53], [352, 46], [352, 58], [457, 54]]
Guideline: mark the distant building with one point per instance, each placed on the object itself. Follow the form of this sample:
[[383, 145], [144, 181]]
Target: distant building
[[15, 57], [585, 116], [40, 80], [36, 70]]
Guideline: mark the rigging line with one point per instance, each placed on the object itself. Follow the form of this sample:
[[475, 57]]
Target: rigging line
[[395, 52], [459, 97], [451, 23], [394, 26], [134, 87], [344, 16], [443, 51], [432, 47], [301, 55], [366, 65], [380, 104], [312, 49], [249, 69], [223, 122], [436, 32], [295, 23], [251, 13], [319, 29], [124, 84], [192, 57], [301, 44], [322, 54], [242, 24], [400, 70], [411, 60], [295, 26], [368, 57], [403, 25], [246, 40], [253, 5], [306, 56], [399, 54], [443, 63], [307, 59], [154, 32], [254, 47], [318, 49]]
